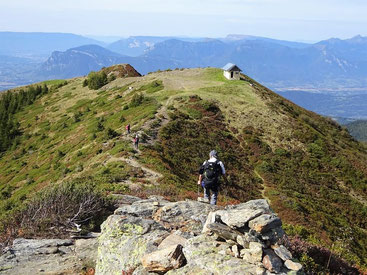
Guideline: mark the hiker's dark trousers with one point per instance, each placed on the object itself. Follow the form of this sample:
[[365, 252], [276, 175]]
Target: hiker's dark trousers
[[214, 194]]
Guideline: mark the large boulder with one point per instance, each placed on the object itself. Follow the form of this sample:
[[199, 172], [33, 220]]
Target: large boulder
[[238, 216], [187, 215], [123, 242]]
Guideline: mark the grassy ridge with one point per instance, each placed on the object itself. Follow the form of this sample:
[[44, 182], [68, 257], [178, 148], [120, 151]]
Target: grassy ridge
[[311, 170]]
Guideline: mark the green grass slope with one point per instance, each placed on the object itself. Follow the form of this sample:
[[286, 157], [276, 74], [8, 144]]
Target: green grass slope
[[310, 169]]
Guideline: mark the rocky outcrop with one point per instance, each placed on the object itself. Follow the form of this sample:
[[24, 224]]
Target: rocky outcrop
[[191, 237], [155, 236], [50, 256]]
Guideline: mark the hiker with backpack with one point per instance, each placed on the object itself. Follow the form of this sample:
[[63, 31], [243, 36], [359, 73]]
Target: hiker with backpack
[[209, 175], [136, 141], [127, 129]]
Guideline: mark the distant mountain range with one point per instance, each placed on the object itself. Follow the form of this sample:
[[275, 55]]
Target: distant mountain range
[[138, 45], [30, 44], [285, 66], [332, 63]]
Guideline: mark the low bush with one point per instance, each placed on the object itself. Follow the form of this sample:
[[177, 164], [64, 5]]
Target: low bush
[[96, 80], [136, 100], [57, 210]]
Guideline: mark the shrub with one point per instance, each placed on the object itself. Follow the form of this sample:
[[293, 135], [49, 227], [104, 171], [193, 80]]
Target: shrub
[[97, 80], [136, 100], [111, 78], [100, 126], [111, 133], [56, 210]]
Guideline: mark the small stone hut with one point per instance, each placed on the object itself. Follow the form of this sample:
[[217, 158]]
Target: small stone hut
[[231, 71]]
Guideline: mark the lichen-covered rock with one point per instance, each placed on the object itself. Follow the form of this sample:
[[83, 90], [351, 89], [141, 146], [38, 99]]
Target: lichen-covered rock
[[229, 241], [165, 259], [187, 215], [265, 223], [124, 240], [141, 208], [204, 257], [253, 254]]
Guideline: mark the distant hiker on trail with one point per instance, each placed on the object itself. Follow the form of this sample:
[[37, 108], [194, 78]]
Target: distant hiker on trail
[[210, 172], [136, 141], [127, 128]]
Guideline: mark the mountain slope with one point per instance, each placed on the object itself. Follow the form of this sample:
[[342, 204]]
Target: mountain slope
[[82, 60], [78, 61], [310, 169]]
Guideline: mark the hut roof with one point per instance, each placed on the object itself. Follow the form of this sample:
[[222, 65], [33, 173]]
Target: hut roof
[[231, 67]]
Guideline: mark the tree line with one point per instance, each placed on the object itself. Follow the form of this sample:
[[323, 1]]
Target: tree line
[[12, 102]]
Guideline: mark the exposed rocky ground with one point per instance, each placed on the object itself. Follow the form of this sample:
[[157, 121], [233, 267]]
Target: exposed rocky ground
[[49, 256], [155, 236]]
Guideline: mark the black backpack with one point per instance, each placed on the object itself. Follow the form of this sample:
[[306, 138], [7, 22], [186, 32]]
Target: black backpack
[[211, 173]]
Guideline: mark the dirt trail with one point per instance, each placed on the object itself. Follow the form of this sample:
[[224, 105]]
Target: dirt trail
[[263, 186], [149, 174]]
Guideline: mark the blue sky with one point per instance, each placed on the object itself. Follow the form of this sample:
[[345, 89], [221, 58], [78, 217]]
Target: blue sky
[[302, 20]]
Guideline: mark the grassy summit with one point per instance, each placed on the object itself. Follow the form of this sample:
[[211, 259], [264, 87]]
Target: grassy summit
[[310, 169]]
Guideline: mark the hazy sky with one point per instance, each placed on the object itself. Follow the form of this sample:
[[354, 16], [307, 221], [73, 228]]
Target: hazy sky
[[308, 20]]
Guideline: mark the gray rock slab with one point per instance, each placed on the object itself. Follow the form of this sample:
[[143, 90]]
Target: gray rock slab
[[49, 256], [283, 252], [238, 218], [265, 223], [124, 199], [144, 208], [259, 204], [189, 214]]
